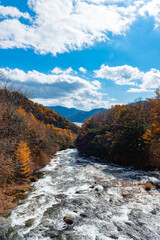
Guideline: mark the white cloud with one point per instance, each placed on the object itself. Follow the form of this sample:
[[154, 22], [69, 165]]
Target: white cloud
[[152, 8], [150, 81], [79, 103], [97, 84], [139, 90], [60, 87], [121, 75], [58, 70], [83, 70], [63, 25], [12, 12], [128, 75]]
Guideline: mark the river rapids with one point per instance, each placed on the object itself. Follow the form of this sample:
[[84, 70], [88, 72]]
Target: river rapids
[[104, 201]]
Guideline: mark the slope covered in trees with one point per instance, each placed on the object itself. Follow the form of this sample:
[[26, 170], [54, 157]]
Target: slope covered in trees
[[47, 116], [30, 134], [127, 135]]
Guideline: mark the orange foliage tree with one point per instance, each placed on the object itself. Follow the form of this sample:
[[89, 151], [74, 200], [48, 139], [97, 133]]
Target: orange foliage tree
[[23, 157]]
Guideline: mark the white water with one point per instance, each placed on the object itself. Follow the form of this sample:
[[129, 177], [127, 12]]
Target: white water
[[78, 124], [93, 195]]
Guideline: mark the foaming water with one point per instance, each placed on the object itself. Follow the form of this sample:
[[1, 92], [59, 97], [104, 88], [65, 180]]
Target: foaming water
[[104, 201]]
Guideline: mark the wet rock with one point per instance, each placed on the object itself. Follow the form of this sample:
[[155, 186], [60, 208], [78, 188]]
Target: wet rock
[[114, 236], [148, 186], [33, 179], [126, 195], [83, 215], [56, 168], [98, 193], [53, 235], [78, 192], [69, 238], [6, 231], [99, 188], [14, 236], [4, 222], [154, 211], [29, 222], [68, 220], [155, 183], [10, 231], [59, 238], [60, 195], [4, 226]]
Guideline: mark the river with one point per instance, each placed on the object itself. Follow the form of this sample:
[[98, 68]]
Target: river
[[104, 202]]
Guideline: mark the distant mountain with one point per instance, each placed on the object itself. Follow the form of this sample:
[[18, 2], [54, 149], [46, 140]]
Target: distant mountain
[[76, 115], [65, 112], [82, 116]]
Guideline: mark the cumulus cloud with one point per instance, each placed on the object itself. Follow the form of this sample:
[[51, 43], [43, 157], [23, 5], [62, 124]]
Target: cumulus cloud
[[63, 25], [150, 81], [58, 70], [60, 87], [121, 75], [75, 103], [128, 75], [12, 12]]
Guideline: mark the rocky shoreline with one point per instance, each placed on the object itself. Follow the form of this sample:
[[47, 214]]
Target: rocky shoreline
[[7, 232]]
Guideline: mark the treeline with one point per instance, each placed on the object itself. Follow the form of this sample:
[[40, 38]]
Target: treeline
[[46, 115], [126, 134], [30, 134]]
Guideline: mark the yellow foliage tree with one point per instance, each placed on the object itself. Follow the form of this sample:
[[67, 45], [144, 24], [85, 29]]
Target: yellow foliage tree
[[23, 158]]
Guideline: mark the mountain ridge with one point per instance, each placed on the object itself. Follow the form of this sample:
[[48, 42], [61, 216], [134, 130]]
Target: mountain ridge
[[76, 115]]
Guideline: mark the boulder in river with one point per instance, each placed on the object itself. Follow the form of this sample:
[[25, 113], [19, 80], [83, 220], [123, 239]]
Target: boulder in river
[[148, 186], [29, 222], [68, 220]]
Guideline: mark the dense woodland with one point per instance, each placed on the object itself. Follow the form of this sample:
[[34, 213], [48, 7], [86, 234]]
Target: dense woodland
[[30, 134], [126, 134]]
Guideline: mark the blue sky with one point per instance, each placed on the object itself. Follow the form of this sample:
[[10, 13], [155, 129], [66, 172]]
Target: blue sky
[[81, 53]]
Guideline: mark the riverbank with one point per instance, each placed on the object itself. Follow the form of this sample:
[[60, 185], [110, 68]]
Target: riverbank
[[30, 135], [10, 194]]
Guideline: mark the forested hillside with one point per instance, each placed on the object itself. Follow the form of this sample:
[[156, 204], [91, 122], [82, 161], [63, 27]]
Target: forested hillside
[[47, 116], [30, 134], [127, 134]]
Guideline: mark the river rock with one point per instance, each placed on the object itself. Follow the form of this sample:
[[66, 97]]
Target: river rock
[[6, 231], [148, 186], [29, 222], [33, 179], [68, 220], [83, 215], [99, 188], [126, 195]]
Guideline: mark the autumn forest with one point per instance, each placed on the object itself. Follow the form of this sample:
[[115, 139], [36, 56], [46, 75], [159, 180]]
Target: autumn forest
[[126, 134], [31, 134]]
